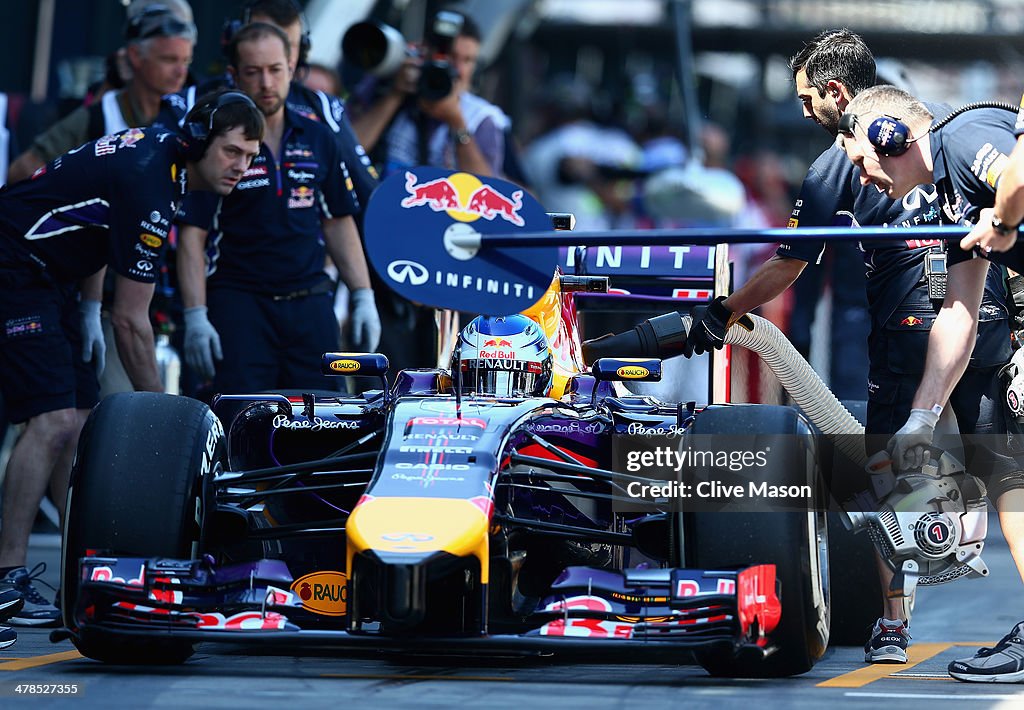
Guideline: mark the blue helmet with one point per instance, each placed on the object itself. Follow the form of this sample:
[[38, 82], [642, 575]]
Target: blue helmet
[[503, 356]]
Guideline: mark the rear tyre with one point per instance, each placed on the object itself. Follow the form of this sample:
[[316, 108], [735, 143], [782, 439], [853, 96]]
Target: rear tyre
[[136, 492], [795, 542]]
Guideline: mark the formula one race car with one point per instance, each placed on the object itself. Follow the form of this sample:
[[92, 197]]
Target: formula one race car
[[483, 507]]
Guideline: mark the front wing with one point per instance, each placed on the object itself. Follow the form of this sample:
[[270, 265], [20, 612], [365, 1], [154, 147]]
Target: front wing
[[586, 610]]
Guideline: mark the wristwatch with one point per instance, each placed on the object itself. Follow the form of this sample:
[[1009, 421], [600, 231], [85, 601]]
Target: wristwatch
[[1004, 229], [462, 136]]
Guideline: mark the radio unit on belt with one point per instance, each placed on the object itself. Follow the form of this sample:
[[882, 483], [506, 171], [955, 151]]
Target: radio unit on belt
[[935, 273]]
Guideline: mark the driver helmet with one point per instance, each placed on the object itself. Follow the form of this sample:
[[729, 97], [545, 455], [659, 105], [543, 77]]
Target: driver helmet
[[503, 356]]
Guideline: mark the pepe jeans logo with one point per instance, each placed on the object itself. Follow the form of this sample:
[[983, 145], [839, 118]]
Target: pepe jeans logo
[[638, 429], [281, 421]]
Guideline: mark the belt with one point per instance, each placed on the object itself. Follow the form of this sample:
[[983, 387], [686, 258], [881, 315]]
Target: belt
[[322, 287]]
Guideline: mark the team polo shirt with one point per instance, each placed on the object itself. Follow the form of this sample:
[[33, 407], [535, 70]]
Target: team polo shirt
[[832, 195], [110, 201], [969, 155], [321, 107], [264, 237], [318, 106]]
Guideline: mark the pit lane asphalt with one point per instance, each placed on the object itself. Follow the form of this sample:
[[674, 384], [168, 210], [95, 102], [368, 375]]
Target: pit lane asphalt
[[951, 621]]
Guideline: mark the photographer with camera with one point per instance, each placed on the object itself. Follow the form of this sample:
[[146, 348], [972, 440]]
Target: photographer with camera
[[425, 114]]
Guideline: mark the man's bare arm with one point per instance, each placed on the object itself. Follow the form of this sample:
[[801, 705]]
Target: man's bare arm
[[951, 340], [134, 333], [773, 278], [345, 249]]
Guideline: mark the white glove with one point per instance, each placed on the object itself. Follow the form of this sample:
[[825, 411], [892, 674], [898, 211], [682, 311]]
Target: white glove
[[365, 321], [202, 344], [908, 447], [94, 347]]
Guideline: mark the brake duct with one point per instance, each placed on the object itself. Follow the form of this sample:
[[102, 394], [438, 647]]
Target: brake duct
[[942, 509]]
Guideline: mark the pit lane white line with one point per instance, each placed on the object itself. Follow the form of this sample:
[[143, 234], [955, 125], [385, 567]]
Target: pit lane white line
[[935, 696]]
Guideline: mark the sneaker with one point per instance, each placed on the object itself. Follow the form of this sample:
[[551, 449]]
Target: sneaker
[[888, 642], [7, 636], [1003, 663], [11, 602], [37, 611]]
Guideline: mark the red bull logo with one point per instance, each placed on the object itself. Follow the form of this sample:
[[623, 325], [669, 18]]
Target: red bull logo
[[911, 321], [301, 197], [497, 343], [464, 198]]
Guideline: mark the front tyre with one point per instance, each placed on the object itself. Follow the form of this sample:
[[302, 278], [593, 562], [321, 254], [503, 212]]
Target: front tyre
[[795, 542], [136, 492]]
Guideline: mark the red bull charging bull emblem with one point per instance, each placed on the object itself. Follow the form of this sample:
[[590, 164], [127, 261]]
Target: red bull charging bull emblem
[[911, 321], [464, 198]]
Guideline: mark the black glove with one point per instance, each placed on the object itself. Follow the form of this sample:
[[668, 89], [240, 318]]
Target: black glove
[[708, 329]]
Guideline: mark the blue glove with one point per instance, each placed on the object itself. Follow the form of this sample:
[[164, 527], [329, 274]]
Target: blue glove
[[94, 347], [364, 321], [202, 344]]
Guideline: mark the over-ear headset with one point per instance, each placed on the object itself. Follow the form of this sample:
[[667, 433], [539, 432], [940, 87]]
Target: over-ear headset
[[198, 125], [891, 137], [231, 28]]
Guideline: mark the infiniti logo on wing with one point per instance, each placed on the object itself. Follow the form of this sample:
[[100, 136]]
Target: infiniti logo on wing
[[404, 271]]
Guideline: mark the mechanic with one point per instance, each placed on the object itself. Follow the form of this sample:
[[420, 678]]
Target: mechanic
[[109, 201], [829, 72], [158, 52], [267, 293], [998, 227], [312, 104], [965, 157]]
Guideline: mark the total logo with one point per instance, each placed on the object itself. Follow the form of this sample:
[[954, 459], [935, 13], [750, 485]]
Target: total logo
[[464, 198]]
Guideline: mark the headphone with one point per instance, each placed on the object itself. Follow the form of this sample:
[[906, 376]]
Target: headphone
[[891, 137], [231, 27], [198, 126]]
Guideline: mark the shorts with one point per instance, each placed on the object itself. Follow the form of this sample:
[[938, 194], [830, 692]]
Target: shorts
[[41, 366], [977, 402]]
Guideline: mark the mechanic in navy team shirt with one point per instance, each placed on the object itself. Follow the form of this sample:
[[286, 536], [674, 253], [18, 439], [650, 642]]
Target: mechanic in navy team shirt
[[965, 157], [108, 202], [829, 72], [264, 304], [314, 105]]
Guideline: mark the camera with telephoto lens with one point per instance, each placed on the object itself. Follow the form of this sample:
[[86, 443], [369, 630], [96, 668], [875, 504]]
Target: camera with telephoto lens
[[380, 50]]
